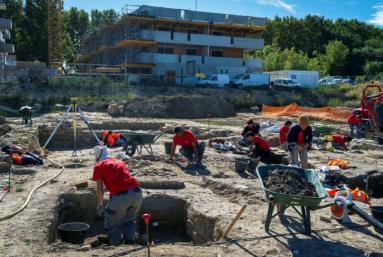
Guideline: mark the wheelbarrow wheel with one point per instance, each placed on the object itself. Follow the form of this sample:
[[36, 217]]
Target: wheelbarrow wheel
[[130, 148], [281, 206]]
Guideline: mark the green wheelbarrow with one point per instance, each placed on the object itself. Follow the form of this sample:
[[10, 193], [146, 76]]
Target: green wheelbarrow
[[319, 131], [284, 201], [137, 141]]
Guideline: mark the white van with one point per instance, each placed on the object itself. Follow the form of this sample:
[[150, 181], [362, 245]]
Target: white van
[[215, 80], [285, 83], [250, 80]]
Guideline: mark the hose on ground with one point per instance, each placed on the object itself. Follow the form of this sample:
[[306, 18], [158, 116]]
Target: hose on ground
[[34, 189]]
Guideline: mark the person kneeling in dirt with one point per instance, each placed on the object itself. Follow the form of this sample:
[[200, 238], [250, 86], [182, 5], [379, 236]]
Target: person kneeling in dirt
[[283, 131], [302, 135], [339, 141], [251, 126], [261, 148], [189, 145], [125, 197], [113, 139]]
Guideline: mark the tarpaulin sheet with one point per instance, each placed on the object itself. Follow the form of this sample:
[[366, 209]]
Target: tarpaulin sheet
[[331, 114]]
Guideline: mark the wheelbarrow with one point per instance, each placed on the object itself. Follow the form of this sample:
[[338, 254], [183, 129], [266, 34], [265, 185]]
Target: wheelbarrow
[[137, 141], [325, 130], [341, 205], [284, 201]]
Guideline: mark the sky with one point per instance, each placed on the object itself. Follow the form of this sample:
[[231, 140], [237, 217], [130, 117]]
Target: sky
[[369, 11]]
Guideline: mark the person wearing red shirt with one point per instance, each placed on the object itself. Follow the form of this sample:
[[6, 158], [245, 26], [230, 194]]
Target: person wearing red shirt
[[125, 195], [261, 148], [189, 145], [302, 135], [355, 121], [339, 141], [283, 131]]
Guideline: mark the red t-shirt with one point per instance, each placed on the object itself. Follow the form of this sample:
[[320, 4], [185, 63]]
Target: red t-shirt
[[251, 129], [339, 140], [186, 140], [282, 136], [300, 138], [352, 119], [262, 143], [115, 175]]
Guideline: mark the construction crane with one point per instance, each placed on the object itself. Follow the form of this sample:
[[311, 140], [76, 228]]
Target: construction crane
[[55, 50]]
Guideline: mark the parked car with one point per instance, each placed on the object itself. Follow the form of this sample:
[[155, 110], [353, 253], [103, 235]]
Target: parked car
[[327, 81], [215, 80], [250, 80], [285, 83], [349, 81]]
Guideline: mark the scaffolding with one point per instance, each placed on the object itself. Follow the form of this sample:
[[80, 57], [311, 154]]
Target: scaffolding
[[55, 35]]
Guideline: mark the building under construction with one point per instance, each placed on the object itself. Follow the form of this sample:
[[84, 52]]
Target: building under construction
[[153, 40]]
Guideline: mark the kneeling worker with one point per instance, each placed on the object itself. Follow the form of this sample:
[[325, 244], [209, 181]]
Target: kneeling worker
[[339, 141], [261, 148], [302, 135], [125, 197], [189, 145], [283, 131], [253, 127]]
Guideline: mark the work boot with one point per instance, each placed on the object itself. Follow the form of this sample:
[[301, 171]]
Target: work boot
[[199, 162]]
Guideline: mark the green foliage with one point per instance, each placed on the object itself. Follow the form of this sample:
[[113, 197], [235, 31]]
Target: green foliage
[[335, 57], [243, 101], [322, 88], [18, 188], [335, 102], [219, 232], [280, 101], [104, 80], [345, 88], [296, 98]]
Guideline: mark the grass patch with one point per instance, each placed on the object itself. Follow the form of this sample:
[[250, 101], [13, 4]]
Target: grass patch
[[335, 102], [243, 101], [18, 187]]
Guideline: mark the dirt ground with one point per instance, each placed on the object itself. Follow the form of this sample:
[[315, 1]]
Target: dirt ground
[[207, 200]]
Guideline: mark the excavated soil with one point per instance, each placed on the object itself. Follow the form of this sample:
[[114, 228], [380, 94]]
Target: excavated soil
[[289, 182], [179, 106]]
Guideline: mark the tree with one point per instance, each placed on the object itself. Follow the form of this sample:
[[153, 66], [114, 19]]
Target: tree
[[335, 57], [35, 27]]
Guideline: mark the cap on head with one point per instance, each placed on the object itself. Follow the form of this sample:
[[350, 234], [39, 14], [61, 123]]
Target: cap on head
[[100, 151], [177, 129], [303, 121]]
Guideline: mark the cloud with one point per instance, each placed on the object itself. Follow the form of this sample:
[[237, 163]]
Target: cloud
[[278, 3], [377, 18], [352, 3]]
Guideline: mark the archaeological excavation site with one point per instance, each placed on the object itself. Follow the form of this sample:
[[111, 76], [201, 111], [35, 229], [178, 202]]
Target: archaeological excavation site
[[233, 205]]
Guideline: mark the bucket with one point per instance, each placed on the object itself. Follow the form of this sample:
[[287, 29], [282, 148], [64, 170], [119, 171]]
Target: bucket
[[73, 233], [168, 147], [377, 213], [252, 165], [241, 164]]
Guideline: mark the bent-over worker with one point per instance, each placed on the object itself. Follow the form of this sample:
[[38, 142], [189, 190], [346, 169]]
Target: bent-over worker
[[189, 145], [355, 121], [339, 141], [261, 147], [113, 139], [125, 197], [302, 135], [253, 127], [283, 131]]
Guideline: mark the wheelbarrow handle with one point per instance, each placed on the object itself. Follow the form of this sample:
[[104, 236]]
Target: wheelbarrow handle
[[155, 139]]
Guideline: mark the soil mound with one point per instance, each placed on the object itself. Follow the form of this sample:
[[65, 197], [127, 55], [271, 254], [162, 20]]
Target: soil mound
[[179, 106], [289, 182]]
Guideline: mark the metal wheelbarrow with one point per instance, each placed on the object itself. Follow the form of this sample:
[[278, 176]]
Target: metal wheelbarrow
[[138, 141], [284, 201]]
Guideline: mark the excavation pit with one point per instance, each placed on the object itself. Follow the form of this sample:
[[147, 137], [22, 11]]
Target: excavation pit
[[172, 220]]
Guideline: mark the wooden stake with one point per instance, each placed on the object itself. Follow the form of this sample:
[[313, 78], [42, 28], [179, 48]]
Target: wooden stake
[[234, 221]]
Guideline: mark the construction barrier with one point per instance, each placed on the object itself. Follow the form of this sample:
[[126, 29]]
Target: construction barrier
[[331, 114]]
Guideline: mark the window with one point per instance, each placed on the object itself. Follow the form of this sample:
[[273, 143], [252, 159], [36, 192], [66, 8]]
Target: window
[[285, 82], [216, 53], [191, 51], [214, 78], [165, 50], [163, 29], [246, 77]]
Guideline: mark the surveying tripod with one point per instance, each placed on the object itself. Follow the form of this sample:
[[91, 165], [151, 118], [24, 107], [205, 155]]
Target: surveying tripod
[[73, 106]]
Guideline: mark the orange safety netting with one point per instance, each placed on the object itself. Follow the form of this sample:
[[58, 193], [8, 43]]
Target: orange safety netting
[[332, 114]]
